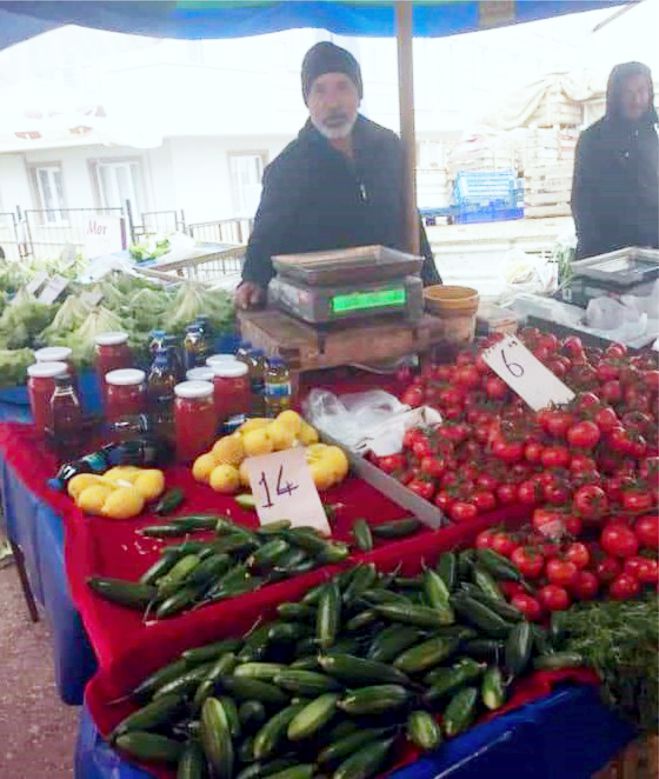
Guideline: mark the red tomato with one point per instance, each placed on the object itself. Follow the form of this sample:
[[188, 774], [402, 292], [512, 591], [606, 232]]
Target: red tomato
[[391, 463], [507, 494], [467, 376], [484, 539], [572, 345], [607, 371], [533, 452], [583, 435], [587, 400], [528, 605], [636, 500], [548, 522], [650, 471], [562, 572], [529, 561], [555, 457], [413, 396], [580, 463], [503, 543], [508, 451], [556, 422], [648, 571], [557, 367], [461, 511], [443, 500], [530, 493], [624, 587], [606, 419], [578, 554], [484, 501], [611, 392], [573, 525], [424, 489], [651, 380], [495, 388], [618, 540], [510, 589], [615, 351], [487, 481], [411, 437], [452, 413], [646, 530], [586, 585], [557, 493], [554, 598], [433, 466], [590, 502], [607, 569], [422, 448]]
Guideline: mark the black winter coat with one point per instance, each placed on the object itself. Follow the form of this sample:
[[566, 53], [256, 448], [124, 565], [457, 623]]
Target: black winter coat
[[615, 190], [314, 198]]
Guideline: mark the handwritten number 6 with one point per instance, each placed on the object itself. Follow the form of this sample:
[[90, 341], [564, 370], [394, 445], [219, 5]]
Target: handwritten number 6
[[514, 368]]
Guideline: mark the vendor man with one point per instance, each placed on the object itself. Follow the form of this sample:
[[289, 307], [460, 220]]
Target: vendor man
[[615, 191], [339, 184]]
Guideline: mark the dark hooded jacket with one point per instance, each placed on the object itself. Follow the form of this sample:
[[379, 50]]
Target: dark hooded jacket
[[615, 189], [314, 198]]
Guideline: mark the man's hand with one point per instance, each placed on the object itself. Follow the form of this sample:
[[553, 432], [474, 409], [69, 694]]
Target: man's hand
[[250, 295]]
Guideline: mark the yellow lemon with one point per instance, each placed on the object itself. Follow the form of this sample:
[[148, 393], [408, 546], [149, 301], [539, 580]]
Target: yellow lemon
[[126, 473], [151, 483], [80, 482], [281, 436], [315, 452], [257, 442], [308, 434], [244, 476], [229, 450], [92, 498], [123, 503], [203, 467], [253, 424], [225, 479], [322, 474], [337, 460], [292, 420]]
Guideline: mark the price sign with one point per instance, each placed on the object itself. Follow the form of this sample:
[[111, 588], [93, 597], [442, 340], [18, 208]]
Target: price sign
[[53, 289], [102, 235], [91, 298], [283, 489], [36, 283], [525, 374]]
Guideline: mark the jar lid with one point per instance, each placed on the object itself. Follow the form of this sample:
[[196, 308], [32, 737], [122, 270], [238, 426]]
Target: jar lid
[[193, 389], [113, 338], [125, 377], [46, 370], [218, 358], [53, 354], [230, 370], [200, 374]]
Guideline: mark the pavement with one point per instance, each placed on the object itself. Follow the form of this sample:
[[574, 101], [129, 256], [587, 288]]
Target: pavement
[[37, 730]]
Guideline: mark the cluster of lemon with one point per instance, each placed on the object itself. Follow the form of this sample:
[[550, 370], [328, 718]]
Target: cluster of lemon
[[224, 466], [119, 493]]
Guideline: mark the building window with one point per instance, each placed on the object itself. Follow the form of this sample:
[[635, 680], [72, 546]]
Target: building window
[[119, 181], [48, 180], [246, 171]]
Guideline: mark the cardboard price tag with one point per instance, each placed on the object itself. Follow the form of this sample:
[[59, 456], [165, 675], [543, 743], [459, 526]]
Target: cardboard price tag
[[53, 289], [283, 488], [91, 298], [36, 283], [525, 374]]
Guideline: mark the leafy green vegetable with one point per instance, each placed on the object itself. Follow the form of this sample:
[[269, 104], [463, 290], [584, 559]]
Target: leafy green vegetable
[[620, 640], [22, 319], [13, 366]]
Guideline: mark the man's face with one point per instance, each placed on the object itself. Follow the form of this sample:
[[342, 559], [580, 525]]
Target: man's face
[[333, 102], [635, 97]]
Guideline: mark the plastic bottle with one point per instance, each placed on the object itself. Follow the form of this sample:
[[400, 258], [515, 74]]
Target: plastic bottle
[[257, 369], [172, 345], [195, 349], [278, 390], [160, 384], [157, 341]]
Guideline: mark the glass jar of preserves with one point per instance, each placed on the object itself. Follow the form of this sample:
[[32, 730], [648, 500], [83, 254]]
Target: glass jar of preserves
[[125, 393], [112, 353], [231, 389], [40, 389], [195, 419], [203, 373], [58, 354]]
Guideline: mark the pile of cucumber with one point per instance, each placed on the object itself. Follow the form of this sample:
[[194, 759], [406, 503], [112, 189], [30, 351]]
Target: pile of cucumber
[[193, 573], [339, 679]]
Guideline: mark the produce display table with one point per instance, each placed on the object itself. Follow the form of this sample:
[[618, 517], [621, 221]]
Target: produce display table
[[568, 733]]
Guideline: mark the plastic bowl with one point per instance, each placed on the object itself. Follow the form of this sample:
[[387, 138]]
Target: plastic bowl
[[449, 301]]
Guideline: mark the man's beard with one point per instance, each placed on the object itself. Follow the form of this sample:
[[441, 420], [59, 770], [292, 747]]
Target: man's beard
[[336, 131]]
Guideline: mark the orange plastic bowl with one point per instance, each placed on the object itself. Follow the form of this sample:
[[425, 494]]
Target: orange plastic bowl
[[447, 301]]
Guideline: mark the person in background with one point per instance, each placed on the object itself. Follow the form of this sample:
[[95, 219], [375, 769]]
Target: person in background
[[338, 185], [615, 189]]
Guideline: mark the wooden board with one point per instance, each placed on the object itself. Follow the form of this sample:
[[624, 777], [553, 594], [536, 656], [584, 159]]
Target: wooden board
[[379, 339]]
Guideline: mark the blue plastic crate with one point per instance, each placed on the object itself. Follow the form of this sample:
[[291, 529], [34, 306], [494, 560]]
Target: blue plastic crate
[[490, 213], [484, 188]]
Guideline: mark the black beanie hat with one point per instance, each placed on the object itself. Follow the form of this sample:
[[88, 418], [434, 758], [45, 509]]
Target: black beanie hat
[[326, 57]]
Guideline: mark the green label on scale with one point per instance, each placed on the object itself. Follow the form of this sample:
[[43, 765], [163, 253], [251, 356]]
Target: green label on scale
[[360, 300]]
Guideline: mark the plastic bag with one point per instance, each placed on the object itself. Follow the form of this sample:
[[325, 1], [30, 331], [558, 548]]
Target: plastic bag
[[609, 314], [366, 421]]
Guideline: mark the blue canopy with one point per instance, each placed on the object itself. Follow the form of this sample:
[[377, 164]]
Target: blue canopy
[[238, 18]]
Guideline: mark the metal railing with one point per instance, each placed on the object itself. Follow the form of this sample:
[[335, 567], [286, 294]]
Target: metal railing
[[10, 242], [233, 231], [48, 231]]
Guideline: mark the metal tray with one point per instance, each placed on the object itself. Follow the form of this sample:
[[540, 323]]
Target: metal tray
[[347, 266], [623, 268]]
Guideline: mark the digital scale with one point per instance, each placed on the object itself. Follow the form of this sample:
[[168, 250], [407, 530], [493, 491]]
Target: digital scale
[[324, 288], [630, 271]]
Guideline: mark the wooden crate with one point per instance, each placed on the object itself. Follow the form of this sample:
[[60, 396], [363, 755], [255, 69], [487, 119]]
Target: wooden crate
[[639, 760]]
